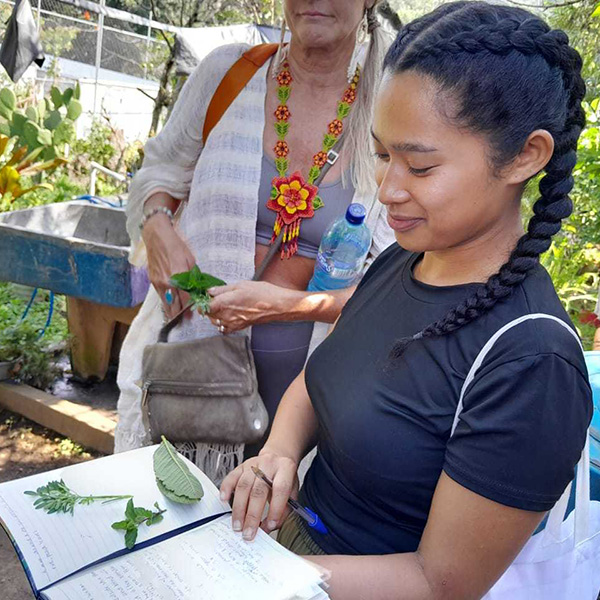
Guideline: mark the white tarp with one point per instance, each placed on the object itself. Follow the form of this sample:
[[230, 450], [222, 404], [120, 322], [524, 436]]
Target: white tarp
[[193, 44]]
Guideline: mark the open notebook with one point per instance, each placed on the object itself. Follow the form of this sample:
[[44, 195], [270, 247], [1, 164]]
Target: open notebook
[[193, 553]]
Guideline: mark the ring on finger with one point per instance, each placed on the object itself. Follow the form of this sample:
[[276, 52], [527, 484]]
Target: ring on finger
[[169, 296], [222, 328]]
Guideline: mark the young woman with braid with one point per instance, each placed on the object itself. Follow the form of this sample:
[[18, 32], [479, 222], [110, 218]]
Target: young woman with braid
[[475, 101]]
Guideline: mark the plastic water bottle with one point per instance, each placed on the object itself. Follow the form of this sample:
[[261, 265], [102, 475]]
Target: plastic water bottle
[[342, 252]]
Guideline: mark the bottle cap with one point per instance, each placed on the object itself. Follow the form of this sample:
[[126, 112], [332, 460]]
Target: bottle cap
[[356, 214]]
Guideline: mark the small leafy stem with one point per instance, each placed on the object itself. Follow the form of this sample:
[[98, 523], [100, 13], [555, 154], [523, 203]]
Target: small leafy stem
[[196, 284], [56, 497], [136, 516]]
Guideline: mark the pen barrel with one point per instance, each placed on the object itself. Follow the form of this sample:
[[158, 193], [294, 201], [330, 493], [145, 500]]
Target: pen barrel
[[317, 524]]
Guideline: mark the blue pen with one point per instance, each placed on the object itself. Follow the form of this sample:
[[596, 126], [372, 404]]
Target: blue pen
[[311, 518]]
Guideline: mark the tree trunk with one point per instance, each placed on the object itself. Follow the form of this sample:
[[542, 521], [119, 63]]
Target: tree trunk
[[163, 97], [388, 13]]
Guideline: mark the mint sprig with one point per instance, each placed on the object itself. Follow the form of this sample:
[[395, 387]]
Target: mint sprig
[[136, 516], [196, 284]]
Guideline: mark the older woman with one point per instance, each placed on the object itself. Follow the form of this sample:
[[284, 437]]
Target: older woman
[[222, 190]]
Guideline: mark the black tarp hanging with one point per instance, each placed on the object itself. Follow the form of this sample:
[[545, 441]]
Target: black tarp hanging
[[21, 44]]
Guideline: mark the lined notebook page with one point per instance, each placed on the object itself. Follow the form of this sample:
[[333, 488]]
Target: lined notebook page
[[208, 563], [57, 545]]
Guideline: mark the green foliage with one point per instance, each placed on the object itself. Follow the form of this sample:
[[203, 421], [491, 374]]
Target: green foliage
[[35, 363], [97, 145], [16, 163], [13, 301], [21, 340], [173, 477], [196, 284], [56, 497], [134, 517], [48, 124], [583, 28], [64, 187], [574, 267]]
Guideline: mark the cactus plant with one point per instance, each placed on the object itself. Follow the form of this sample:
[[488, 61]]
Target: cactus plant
[[48, 124]]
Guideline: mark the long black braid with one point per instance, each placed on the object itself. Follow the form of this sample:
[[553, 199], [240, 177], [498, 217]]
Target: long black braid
[[510, 75]]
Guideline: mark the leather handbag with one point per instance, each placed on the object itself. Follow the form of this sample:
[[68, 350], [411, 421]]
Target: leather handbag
[[206, 390], [203, 391]]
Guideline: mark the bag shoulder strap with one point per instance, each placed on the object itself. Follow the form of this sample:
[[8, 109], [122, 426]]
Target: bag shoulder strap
[[488, 346], [552, 530], [235, 80]]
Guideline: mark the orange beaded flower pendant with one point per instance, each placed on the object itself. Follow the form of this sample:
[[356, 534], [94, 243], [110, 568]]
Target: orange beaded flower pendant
[[292, 197]]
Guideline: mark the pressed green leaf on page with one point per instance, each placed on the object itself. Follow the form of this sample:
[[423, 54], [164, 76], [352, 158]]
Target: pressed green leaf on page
[[174, 474], [174, 497]]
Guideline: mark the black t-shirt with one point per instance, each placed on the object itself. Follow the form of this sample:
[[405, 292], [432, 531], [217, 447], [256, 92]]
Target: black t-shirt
[[384, 430]]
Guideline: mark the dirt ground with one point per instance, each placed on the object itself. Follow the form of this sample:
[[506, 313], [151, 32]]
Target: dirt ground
[[26, 449]]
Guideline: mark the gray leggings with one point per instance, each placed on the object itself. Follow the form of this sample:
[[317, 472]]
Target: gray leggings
[[279, 350]]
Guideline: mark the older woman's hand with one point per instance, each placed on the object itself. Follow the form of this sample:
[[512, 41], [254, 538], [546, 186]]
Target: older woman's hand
[[235, 307], [167, 254]]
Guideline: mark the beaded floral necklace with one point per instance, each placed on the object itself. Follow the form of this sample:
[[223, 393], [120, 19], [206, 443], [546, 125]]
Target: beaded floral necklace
[[292, 197]]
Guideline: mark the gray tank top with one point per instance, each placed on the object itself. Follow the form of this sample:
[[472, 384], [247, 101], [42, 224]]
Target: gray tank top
[[336, 200]]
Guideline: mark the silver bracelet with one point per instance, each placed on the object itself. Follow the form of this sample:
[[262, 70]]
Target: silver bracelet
[[156, 211]]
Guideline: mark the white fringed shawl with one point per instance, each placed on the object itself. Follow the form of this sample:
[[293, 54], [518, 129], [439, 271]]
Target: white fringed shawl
[[218, 221]]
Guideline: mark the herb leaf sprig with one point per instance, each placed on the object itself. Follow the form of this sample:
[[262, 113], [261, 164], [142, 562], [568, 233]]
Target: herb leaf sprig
[[56, 497], [196, 284], [136, 516]]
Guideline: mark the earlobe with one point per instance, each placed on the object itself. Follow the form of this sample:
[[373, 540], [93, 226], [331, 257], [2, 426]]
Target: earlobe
[[535, 155]]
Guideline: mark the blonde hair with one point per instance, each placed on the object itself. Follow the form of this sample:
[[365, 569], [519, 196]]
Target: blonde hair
[[357, 145]]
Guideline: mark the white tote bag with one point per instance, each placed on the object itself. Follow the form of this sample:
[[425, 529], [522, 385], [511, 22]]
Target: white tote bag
[[562, 562]]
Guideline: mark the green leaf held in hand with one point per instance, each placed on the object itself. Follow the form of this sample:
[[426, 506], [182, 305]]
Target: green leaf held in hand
[[173, 477], [56, 497], [136, 516], [196, 284]]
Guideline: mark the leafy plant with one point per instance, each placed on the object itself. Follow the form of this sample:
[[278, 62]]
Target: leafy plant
[[56, 497], [574, 268], [63, 188], [136, 516], [35, 364], [16, 163], [173, 477], [196, 284], [97, 144], [48, 124], [14, 299]]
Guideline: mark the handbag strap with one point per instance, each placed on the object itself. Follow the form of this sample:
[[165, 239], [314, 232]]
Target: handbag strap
[[235, 80], [582, 496]]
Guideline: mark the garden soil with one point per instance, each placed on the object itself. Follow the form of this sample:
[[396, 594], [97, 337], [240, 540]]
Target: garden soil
[[26, 449]]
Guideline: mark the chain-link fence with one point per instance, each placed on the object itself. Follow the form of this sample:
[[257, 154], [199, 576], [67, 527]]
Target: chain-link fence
[[114, 56]]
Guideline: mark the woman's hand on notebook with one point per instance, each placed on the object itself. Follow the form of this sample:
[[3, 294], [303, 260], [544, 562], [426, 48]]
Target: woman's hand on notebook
[[251, 494]]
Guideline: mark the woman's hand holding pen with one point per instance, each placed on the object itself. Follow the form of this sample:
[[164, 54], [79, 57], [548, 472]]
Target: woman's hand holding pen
[[251, 494]]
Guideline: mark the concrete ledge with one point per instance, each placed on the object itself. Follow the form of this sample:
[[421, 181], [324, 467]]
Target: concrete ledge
[[82, 424]]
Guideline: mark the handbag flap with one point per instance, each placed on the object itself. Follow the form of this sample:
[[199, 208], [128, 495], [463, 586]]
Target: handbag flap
[[219, 365]]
